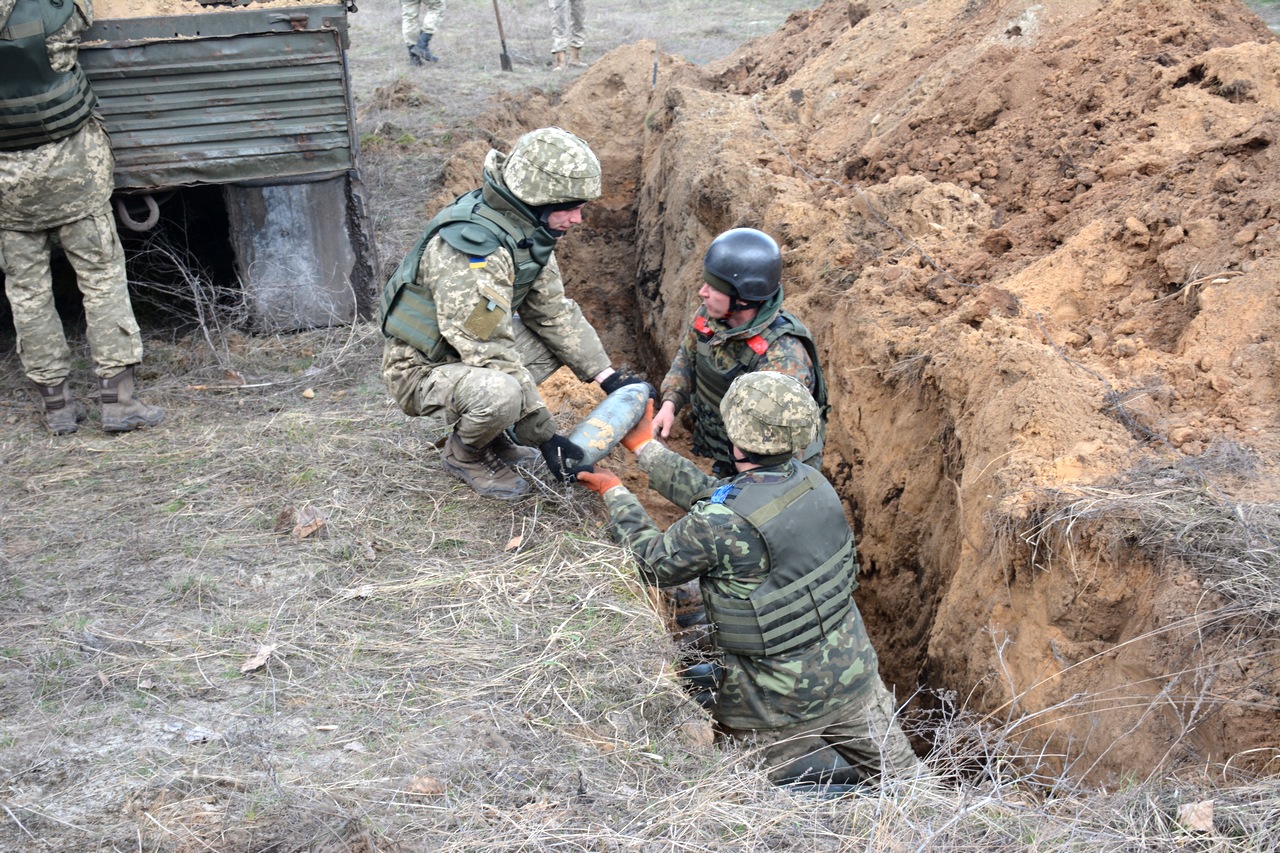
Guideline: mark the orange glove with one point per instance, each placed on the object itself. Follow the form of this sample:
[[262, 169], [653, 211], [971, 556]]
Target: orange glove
[[642, 433], [599, 481]]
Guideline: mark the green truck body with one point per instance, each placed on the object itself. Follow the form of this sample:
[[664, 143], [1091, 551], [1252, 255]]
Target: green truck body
[[256, 101]]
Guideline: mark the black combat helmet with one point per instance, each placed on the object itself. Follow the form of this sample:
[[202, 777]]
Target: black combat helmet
[[745, 264]]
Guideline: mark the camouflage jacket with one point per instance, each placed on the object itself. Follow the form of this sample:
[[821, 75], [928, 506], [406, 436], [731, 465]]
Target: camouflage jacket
[[727, 345], [461, 285], [718, 547], [63, 181]]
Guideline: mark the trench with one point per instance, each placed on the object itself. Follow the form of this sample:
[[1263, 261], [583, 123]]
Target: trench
[[1082, 654]]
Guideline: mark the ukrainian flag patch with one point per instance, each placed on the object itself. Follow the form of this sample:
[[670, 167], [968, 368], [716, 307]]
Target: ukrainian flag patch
[[477, 262]]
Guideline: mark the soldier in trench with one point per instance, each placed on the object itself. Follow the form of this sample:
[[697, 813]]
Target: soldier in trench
[[740, 327], [476, 316], [795, 673], [56, 178]]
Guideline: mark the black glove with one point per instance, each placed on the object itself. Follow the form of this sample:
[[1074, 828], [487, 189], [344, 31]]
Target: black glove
[[561, 454], [619, 378]]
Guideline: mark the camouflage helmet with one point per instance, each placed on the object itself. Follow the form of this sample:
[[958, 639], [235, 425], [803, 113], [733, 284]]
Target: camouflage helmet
[[552, 166], [769, 413]]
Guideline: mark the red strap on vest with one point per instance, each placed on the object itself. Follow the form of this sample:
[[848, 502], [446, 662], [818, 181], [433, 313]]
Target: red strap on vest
[[700, 325], [757, 344]]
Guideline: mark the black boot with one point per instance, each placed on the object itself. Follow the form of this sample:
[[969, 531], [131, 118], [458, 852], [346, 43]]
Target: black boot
[[415, 61], [422, 50]]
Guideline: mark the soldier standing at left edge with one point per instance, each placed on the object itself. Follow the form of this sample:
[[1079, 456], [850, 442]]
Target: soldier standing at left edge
[[56, 171]]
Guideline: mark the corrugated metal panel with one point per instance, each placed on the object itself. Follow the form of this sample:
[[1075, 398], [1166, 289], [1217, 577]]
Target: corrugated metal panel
[[224, 97]]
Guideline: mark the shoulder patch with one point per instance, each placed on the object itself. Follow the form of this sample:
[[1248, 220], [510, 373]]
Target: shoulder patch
[[470, 239], [721, 494], [477, 262]]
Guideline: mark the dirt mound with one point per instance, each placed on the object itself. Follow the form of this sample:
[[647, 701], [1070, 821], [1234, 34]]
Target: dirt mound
[[1035, 243]]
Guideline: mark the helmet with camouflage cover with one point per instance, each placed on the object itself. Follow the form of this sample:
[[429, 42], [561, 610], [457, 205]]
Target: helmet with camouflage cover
[[769, 413], [552, 166]]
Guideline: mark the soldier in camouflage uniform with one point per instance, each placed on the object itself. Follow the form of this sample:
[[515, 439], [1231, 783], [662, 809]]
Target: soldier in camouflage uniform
[[775, 558], [740, 327], [568, 31], [55, 185], [418, 22], [476, 316]]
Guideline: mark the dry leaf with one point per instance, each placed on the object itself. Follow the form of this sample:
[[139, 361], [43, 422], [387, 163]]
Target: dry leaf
[[355, 746], [259, 660], [284, 520], [308, 394], [233, 377], [424, 786], [309, 521], [146, 684], [102, 678], [1197, 817], [514, 543]]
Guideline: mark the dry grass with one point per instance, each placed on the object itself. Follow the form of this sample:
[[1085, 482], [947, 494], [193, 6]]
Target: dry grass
[[1177, 510]]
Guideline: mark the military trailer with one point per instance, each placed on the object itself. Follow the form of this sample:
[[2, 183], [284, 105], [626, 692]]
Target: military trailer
[[244, 107]]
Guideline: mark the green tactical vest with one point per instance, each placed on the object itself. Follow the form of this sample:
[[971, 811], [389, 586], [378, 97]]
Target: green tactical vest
[[37, 104], [811, 582], [710, 386], [474, 227]]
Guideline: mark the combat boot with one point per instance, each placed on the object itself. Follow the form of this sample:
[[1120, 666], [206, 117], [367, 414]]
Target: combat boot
[[517, 455], [559, 58], [422, 50], [415, 61], [62, 412], [482, 470], [121, 411], [575, 58]]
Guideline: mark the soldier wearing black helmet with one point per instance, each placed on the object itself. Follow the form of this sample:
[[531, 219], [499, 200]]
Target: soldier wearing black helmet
[[741, 327], [774, 555]]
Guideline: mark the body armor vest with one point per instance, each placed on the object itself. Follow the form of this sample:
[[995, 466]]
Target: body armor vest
[[812, 577], [473, 227], [37, 104], [710, 385]]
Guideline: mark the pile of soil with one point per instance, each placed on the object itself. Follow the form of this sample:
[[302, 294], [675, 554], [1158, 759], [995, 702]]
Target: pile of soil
[[1036, 244]]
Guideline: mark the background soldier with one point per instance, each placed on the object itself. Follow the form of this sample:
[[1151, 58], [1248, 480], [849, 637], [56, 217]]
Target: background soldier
[[418, 22], [568, 31], [476, 315], [55, 182], [775, 558], [740, 327]]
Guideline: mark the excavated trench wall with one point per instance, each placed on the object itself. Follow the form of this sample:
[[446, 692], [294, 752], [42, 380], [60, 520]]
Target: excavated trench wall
[[983, 241]]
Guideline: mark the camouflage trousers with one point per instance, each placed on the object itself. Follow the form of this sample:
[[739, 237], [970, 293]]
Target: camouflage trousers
[[93, 248], [478, 402], [853, 744], [419, 16], [567, 27]]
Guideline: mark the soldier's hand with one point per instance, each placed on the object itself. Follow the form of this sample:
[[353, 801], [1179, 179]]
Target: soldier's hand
[[561, 455], [598, 480], [642, 433], [664, 420]]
